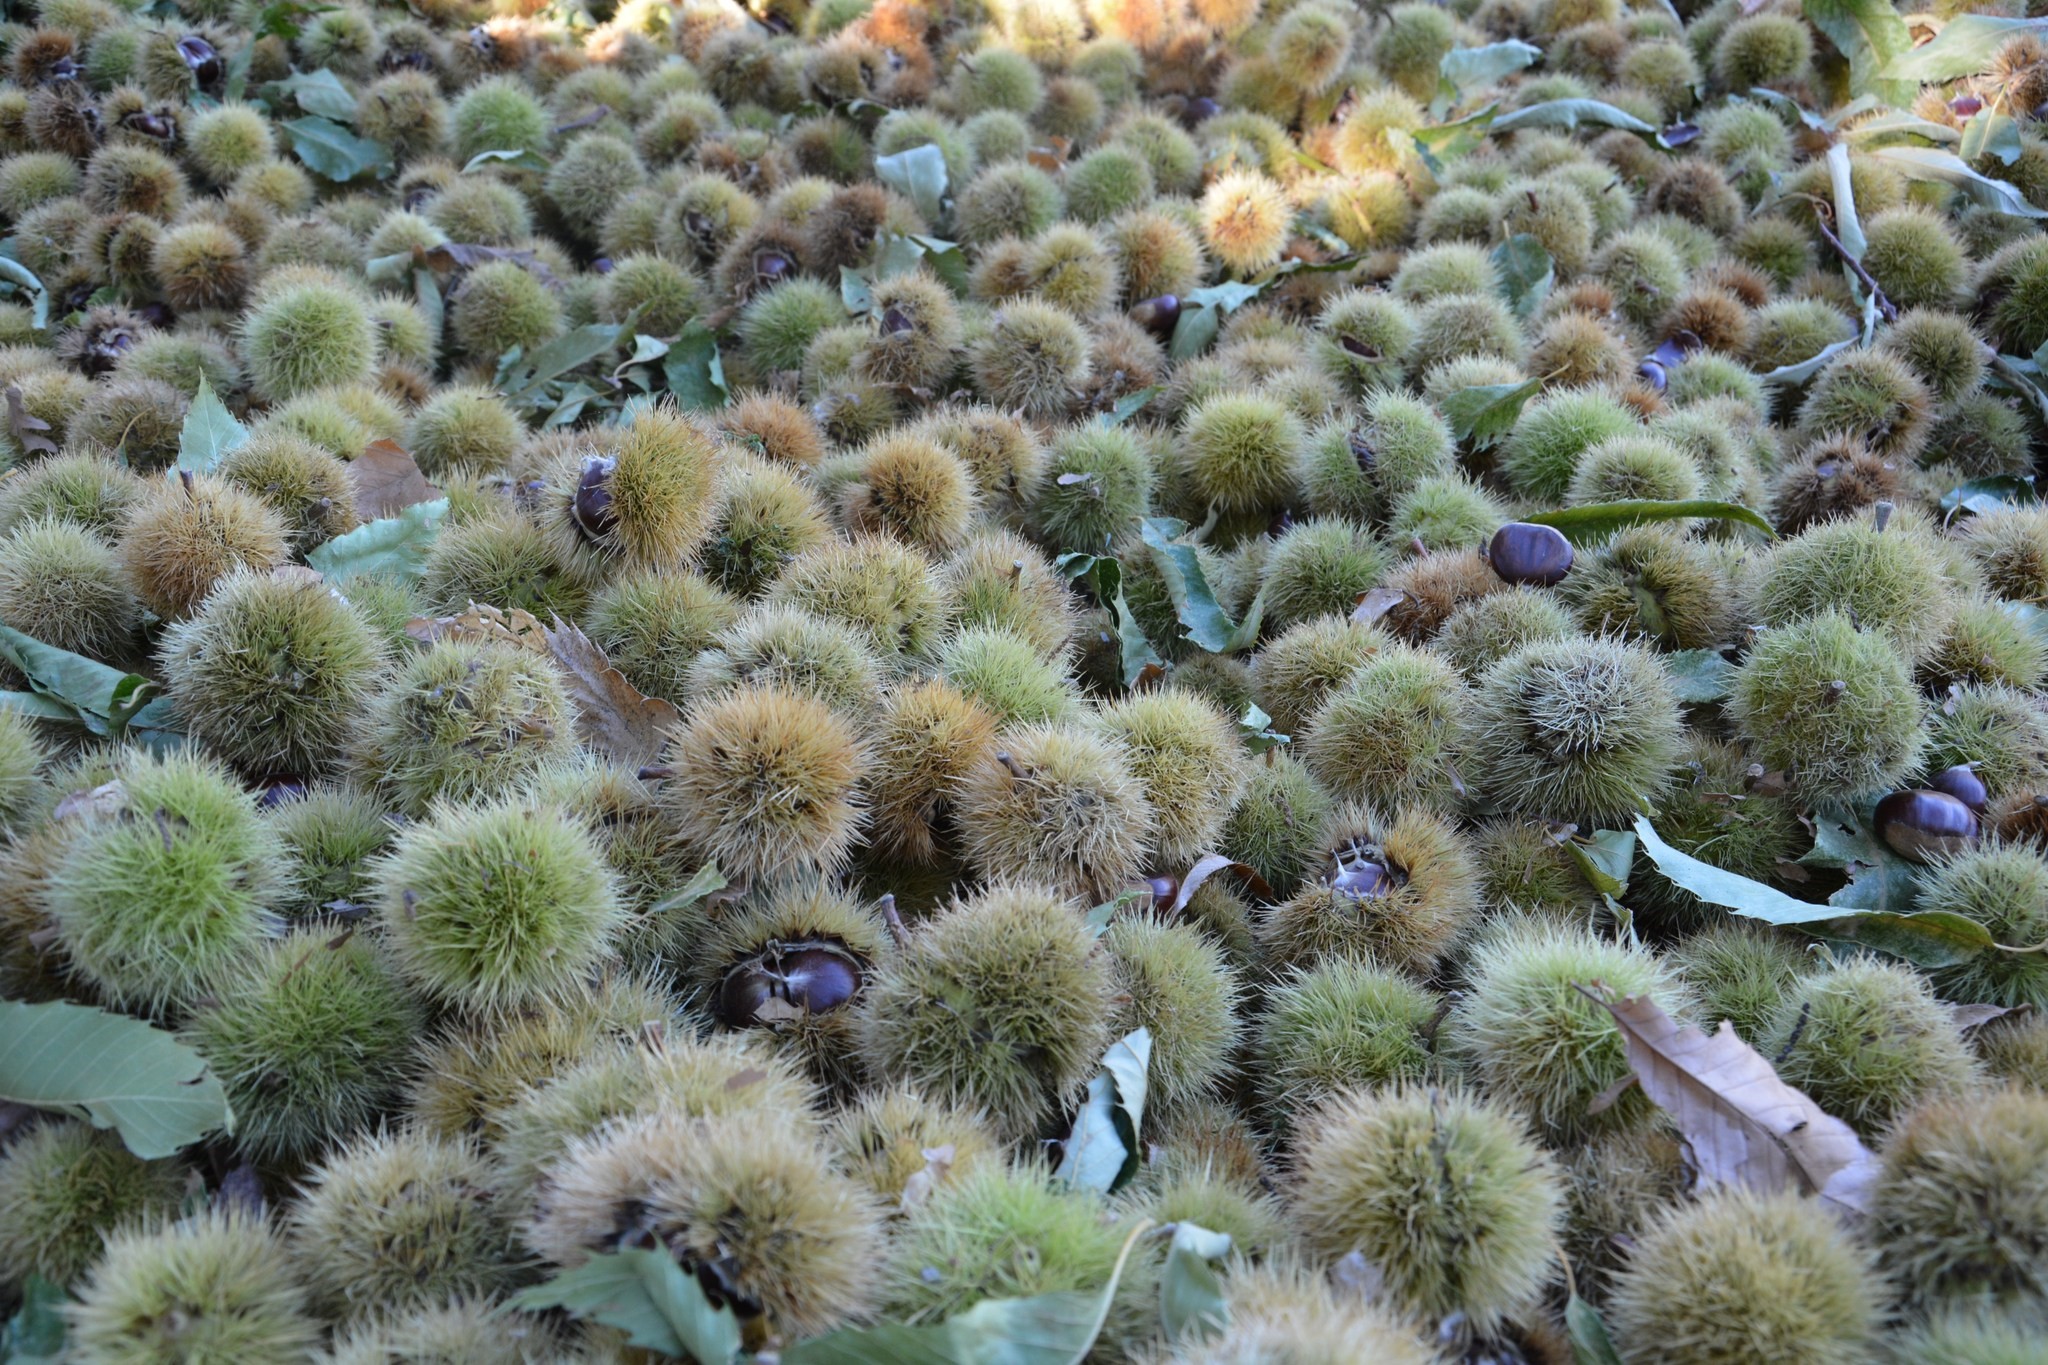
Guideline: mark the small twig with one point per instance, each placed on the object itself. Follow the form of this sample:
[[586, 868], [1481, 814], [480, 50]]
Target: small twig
[[1886, 309], [890, 917]]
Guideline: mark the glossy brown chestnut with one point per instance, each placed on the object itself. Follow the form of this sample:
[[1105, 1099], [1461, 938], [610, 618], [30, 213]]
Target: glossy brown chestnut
[[201, 59], [1964, 785], [1362, 879], [784, 978], [1523, 552], [1924, 825], [1157, 316], [591, 508]]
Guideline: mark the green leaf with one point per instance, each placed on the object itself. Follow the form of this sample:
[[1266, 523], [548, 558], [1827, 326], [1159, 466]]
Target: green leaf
[[1926, 940], [856, 291], [1931, 163], [1475, 68], [1097, 920], [24, 278], [36, 1331], [693, 370], [105, 700], [1848, 224], [1046, 1329], [210, 432], [37, 707], [1486, 413], [524, 158], [1799, 371], [1105, 578], [319, 92], [1993, 133], [522, 378], [1594, 522], [1569, 114], [1101, 1153], [1129, 406], [707, 880], [1879, 879], [646, 1295], [1700, 675], [919, 175], [1979, 496], [1191, 1301], [1590, 1343], [1872, 35], [1893, 124], [114, 1071], [1206, 623], [333, 152], [396, 546], [1443, 142], [1255, 728], [1964, 47], [947, 261], [1526, 273], [1605, 860], [1201, 316]]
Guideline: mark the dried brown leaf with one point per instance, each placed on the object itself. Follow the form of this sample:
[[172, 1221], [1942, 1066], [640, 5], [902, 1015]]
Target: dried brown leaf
[[109, 798], [1743, 1124], [27, 429], [1969, 1017], [938, 1164], [1374, 605], [615, 717], [483, 624], [1207, 866], [388, 481], [297, 573]]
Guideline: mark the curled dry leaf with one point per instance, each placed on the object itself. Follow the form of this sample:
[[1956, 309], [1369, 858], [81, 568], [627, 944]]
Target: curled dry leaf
[[1742, 1123], [938, 1164], [1972, 1017], [109, 798], [615, 717], [388, 480], [1376, 603], [521, 629], [27, 429], [1207, 866]]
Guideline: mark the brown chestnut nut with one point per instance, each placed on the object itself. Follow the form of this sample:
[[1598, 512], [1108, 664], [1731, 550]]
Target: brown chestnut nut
[[1523, 552], [1362, 879], [785, 980], [1157, 316], [591, 509], [1924, 825], [1963, 784]]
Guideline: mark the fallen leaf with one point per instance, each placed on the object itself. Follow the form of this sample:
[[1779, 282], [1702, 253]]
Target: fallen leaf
[[106, 799], [1375, 604], [482, 624], [1970, 1017], [27, 429], [615, 717], [938, 1164], [297, 573], [1207, 866], [1743, 1124], [388, 481]]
